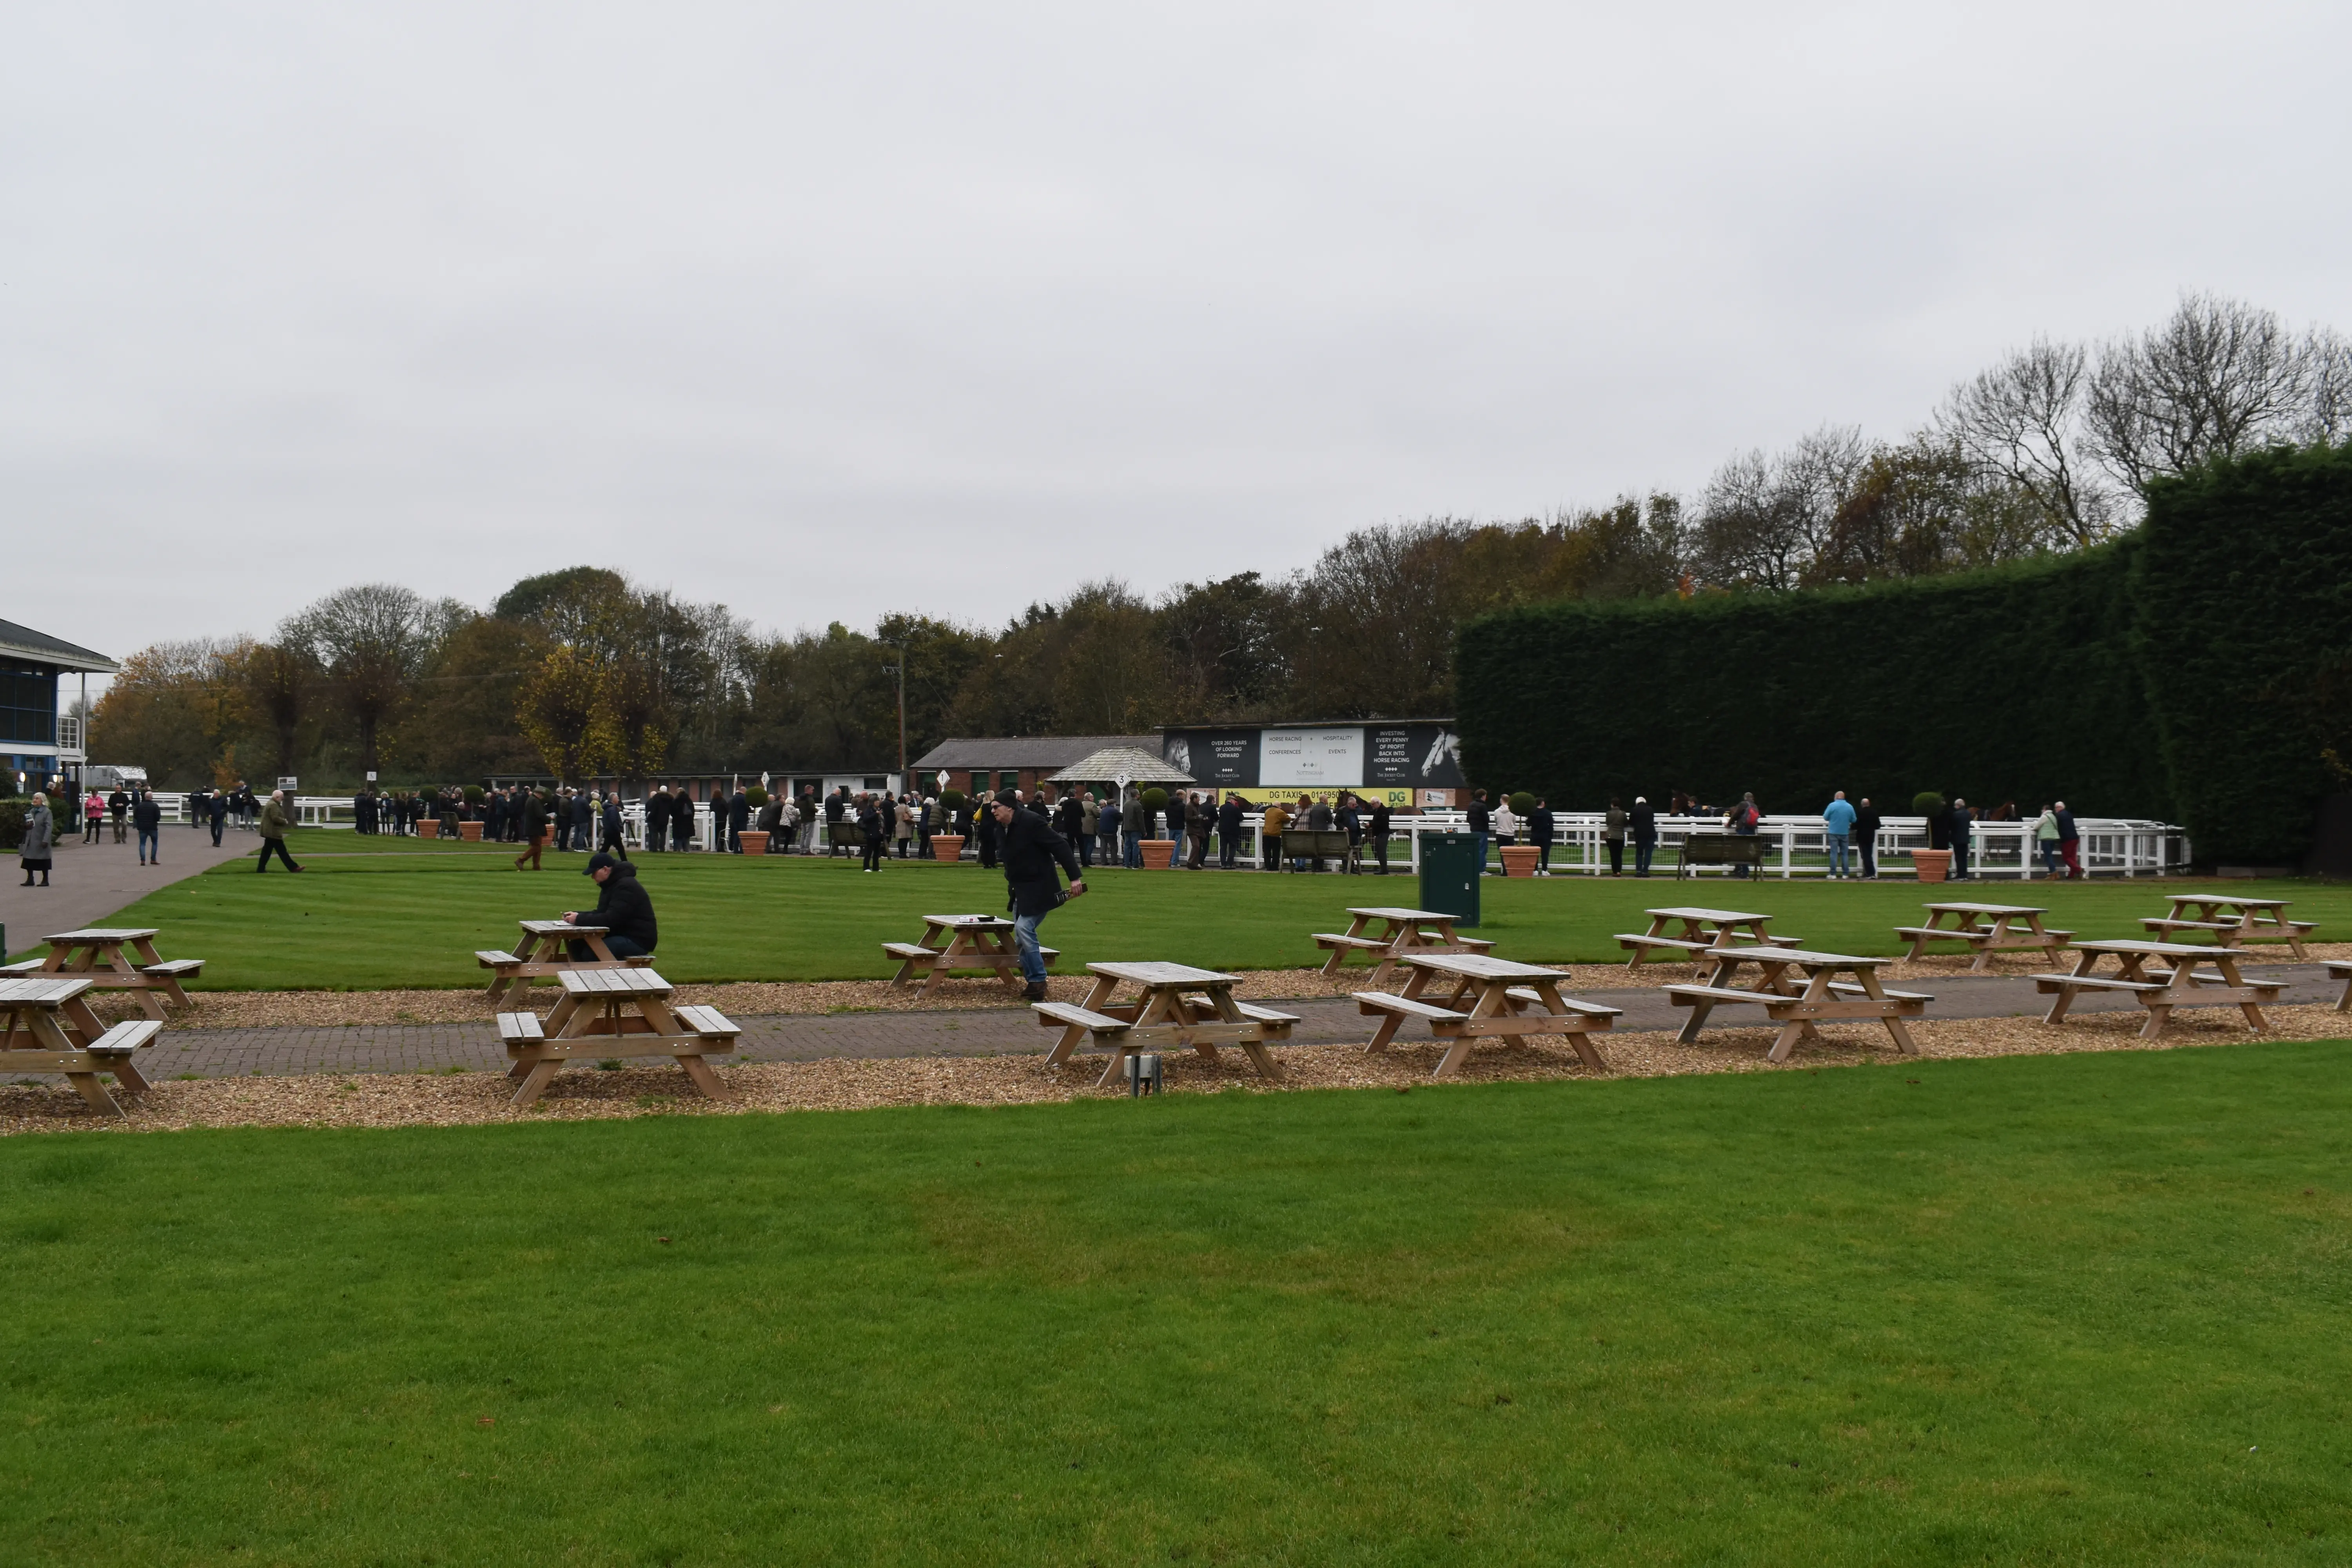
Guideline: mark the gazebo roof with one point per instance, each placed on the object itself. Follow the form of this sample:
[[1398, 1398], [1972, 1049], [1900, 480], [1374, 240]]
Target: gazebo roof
[[1124, 764]]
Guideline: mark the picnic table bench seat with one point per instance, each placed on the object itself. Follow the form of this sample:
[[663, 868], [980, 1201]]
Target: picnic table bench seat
[[2049, 985], [917, 951], [126, 1038], [1330, 938], [1685, 995], [708, 1022], [2339, 969], [1069, 1015], [1848, 988], [520, 1028], [1529, 996], [1370, 1002], [1946, 934], [1634, 943], [177, 968], [25, 968]]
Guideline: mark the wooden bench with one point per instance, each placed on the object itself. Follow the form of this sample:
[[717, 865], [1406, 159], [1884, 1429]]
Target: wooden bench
[[1639, 946], [1720, 850], [47, 1027], [1825, 998], [2338, 969], [1318, 845], [613, 1013], [1069, 1015], [1492, 999], [1372, 1002], [2182, 986]]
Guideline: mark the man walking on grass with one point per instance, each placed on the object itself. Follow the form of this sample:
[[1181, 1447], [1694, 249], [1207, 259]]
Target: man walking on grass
[[534, 829], [1030, 849], [274, 824]]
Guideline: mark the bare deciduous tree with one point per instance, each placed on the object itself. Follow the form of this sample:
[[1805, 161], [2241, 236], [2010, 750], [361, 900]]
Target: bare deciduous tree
[[2022, 420], [2220, 378]]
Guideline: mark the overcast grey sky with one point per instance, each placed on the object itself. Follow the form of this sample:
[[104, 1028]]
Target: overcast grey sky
[[822, 312]]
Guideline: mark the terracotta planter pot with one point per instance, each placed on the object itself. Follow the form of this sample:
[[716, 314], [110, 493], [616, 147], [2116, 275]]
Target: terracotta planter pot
[[947, 847], [471, 832], [754, 842], [1933, 864], [427, 828], [1519, 860], [1158, 854]]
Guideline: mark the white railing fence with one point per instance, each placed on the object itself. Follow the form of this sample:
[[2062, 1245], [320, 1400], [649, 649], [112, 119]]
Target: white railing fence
[[1796, 846]]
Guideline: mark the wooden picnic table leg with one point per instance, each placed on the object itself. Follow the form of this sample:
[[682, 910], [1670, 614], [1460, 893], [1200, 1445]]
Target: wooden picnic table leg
[[1414, 984], [46, 1030], [1255, 1049], [536, 1073], [1578, 1036], [958, 943], [144, 947], [2230, 976], [127, 1075], [1894, 1025], [1355, 925], [698, 1073], [2084, 962], [1795, 1029], [1009, 973], [1096, 994]]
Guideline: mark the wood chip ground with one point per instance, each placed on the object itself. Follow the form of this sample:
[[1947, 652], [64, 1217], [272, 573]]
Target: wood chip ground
[[842, 1084]]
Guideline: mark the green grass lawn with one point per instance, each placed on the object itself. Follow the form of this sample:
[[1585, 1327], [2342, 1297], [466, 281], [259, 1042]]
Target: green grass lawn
[[393, 913], [2084, 1309]]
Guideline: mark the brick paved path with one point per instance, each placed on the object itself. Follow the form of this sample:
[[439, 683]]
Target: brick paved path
[[424, 1048]]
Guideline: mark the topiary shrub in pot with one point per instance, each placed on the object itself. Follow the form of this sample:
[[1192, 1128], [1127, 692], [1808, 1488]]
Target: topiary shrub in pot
[[1935, 862], [1158, 854]]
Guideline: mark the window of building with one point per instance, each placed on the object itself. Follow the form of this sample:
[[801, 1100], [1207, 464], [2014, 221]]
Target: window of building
[[29, 704]]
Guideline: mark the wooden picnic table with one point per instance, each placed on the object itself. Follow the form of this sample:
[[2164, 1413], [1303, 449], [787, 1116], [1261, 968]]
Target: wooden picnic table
[[1403, 932], [97, 954], [1823, 996], [961, 941], [1987, 928], [2232, 922], [2337, 968], [1703, 931], [2181, 986], [47, 1027], [544, 952], [615, 1013], [1506, 1000], [1176, 1005]]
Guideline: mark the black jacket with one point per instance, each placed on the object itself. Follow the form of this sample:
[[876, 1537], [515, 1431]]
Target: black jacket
[[1644, 821], [534, 818], [1175, 809], [2066, 828], [656, 816], [1378, 824], [623, 908], [1229, 817], [739, 811], [1480, 816], [1539, 826], [1030, 849], [145, 815], [1959, 827], [1866, 821]]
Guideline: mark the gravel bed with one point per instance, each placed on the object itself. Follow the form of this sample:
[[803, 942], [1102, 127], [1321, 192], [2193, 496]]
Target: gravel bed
[[844, 1084]]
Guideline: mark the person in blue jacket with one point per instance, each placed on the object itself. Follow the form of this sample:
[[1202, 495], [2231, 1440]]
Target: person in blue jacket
[[1837, 827]]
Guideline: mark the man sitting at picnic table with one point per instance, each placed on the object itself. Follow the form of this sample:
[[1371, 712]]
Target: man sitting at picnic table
[[623, 908], [1030, 849]]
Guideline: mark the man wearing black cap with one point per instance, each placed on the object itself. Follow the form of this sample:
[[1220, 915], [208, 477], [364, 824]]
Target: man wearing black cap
[[1030, 849], [623, 909]]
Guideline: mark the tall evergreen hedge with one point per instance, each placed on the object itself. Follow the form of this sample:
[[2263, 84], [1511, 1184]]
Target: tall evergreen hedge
[[2241, 593], [2136, 679]]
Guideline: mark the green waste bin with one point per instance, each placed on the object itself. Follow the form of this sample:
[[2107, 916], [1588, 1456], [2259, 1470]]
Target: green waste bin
[[1449, 876]]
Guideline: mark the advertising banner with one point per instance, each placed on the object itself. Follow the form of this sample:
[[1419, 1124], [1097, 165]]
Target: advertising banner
[[1412, 756], [1226, 758], [1312, 759]]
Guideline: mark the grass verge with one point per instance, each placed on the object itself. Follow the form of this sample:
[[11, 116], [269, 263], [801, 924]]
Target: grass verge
[[2049, 1308]]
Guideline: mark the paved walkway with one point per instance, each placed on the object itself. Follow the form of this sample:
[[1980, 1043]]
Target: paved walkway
[[990, 1031], [91, 881]]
